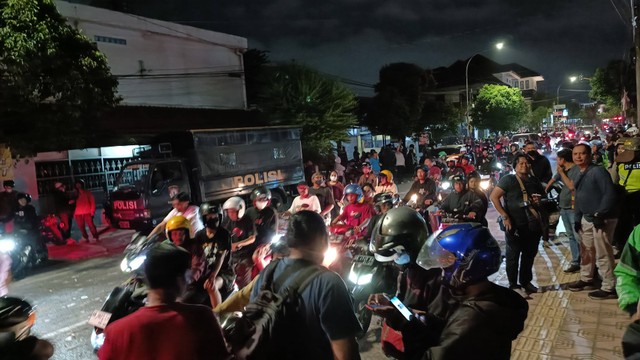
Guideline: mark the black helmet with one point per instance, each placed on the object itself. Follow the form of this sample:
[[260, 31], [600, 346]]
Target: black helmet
[[24, 196], [260, 191], [382, 198], [17, 316], [398, 236], [474, 174], [457, 178], [209, 208], [10, 183]]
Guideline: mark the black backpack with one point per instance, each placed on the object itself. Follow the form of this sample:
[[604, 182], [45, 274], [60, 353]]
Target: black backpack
[[268, 327]]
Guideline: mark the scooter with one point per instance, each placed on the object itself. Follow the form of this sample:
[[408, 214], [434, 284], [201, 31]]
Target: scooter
[[368, 276], [51, 230], [25, 249]]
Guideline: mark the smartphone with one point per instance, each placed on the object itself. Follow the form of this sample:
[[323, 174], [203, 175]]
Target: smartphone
[[403, 309]]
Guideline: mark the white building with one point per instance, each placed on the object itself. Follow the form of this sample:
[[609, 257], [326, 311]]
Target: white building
[[161, 64]]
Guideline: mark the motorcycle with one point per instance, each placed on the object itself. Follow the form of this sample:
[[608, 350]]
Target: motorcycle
[[368, 276], [341, 239], [51, 230], [128, 297], [25, 249]]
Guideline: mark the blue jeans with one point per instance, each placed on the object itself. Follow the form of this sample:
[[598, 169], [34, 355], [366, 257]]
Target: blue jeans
[[569, 219]]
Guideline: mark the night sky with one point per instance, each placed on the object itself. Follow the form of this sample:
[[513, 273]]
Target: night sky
[[354, 38]]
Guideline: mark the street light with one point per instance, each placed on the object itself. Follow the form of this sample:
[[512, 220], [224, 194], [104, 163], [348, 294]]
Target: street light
[[571, 79], [499, 46]]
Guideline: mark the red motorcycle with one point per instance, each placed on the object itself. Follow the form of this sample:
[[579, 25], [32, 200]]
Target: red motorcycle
[[341, 238]]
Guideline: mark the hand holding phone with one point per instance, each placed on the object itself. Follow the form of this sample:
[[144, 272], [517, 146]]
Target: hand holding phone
[[408, 315]]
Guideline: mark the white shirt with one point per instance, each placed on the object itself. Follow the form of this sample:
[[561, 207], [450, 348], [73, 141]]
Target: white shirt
[[388, 188], [193, 215], [311, 203], [400, 159]]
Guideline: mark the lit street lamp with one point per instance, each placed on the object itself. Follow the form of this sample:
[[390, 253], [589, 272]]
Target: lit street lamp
[[499, 46], [571, 79]]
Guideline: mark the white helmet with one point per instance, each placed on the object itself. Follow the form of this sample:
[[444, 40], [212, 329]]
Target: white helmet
[[632, 131], [235, 203]]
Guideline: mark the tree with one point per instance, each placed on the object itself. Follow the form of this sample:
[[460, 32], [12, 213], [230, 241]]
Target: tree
[[55, 82], [440, 118], [535, 118], [255, 64], [498, 108], [608, 83], [399, 100], [298, 95]]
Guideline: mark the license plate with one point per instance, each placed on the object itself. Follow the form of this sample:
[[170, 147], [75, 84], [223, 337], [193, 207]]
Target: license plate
[[124, 225], [365, 259], [99, 319]]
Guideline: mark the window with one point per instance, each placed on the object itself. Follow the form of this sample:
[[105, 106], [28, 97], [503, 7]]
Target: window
[[228, 159], [521, 85], [109, 40], [164, 174], [526, 84], [279, 153], [515, 83]]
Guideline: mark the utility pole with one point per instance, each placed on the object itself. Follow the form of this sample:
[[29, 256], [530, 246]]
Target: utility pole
[[636, 44]]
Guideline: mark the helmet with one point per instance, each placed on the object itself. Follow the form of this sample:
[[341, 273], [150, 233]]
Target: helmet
[[398, 236], [466, 252], [442, 154], [259, 192], [354, 189], [177, 222], [366, 163], [388, 174], [473, 174], [10, 183], [24, 196], [382, 198], [457, 178], [463, 149], [81, 182], [235, 203], [424, 168], [633, 131], [16, 316], [208, 208]]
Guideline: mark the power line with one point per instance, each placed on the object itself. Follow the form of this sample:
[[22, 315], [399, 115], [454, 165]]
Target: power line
[[624, 22]]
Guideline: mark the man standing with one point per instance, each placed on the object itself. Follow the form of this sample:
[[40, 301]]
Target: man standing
[[327, 325], [567, 172], [596, 219], [324, 194], [64, 210], [540, 165], [165, 328], [521, 193], [85, 210]]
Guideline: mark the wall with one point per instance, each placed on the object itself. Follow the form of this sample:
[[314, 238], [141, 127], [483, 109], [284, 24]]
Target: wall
[[182, 66]]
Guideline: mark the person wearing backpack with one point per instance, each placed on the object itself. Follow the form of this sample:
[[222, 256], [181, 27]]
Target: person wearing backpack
[[324, 325]]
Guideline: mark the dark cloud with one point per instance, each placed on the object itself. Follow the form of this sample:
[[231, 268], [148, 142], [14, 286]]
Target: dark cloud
[[354, 38]]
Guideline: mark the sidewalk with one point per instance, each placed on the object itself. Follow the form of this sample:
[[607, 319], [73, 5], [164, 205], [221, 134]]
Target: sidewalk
[[112, 241]]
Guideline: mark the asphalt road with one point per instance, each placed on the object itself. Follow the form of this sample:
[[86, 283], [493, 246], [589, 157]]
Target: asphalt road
[[65, 295]]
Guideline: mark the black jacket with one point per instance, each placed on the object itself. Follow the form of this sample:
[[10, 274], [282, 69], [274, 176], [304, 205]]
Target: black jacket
[[61, 202], [425, 190], [482, 327], [631, 341], [462, 203], [541, 167]]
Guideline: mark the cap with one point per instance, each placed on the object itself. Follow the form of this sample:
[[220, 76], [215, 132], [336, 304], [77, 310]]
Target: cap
[[631, 145], [181, 196]]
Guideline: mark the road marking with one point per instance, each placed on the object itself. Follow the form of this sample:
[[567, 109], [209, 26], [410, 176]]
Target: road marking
[[65, 329]]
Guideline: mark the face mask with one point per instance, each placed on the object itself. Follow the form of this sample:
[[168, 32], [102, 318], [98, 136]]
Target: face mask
[[318, 182], [533, 153], [212, 223], [261, 204], [334, 178]]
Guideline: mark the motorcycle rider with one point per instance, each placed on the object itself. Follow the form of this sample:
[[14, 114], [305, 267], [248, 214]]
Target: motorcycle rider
[[488, 316], [356, 213], [383, 202], [181, 207], [513, 150], [462, 202], [25, 217], [485, 161], [367, 175], [304, 201], [424, 187], [473, 184], [8, 201], [465, 164], [386, 184], [397, 238], [242, 232], [213, 250], [265, 223]]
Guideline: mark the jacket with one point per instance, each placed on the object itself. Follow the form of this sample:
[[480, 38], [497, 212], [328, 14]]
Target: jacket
[[482, 327], [462, 203], [628, 273], [541, 168], [595, 193], [85, 203]]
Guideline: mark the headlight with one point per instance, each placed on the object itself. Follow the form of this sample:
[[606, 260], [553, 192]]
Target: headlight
[[275, 238], [445, 185], [133, 265], [485, 184], [7, 245], [330, 256], [362, 280], [414, 198], [499, 165]]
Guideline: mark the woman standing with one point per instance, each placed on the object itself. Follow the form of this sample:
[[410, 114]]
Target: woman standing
[[337, 188]]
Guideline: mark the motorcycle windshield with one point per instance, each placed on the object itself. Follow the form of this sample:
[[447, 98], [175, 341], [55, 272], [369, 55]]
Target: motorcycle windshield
[[433, 255]]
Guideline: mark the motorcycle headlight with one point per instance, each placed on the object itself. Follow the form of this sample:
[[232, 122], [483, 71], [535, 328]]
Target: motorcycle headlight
[[360, 280], [275, 238], [330, 256], [133, 265], [445, 185], [484, 184], [124, 265], [499, 165], [414, 198], [7, 245]]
